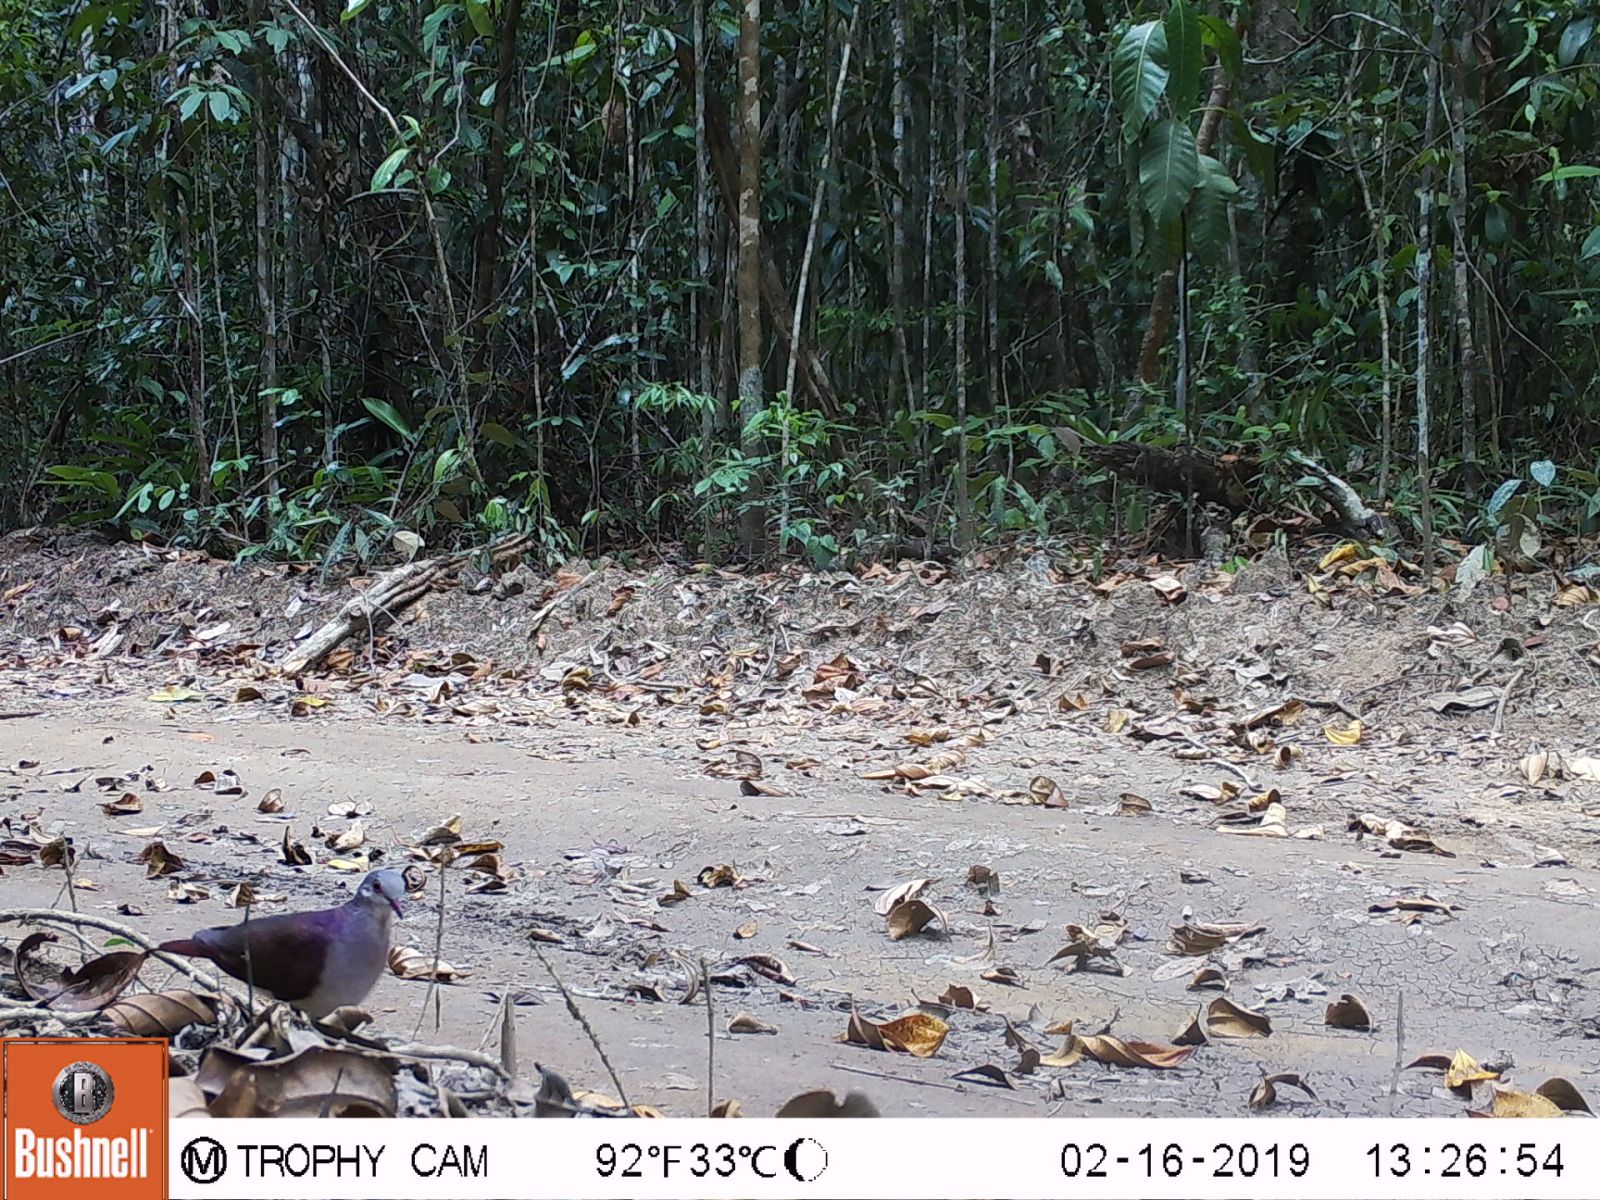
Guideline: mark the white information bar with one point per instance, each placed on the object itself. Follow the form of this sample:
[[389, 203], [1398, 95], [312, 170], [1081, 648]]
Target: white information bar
[[894, 1159]]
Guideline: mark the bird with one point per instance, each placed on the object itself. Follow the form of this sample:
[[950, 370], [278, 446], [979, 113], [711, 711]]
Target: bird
[[313, 961]]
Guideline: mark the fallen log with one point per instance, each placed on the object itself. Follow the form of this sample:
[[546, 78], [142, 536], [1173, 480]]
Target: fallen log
[[1354, 515], [389, 595]]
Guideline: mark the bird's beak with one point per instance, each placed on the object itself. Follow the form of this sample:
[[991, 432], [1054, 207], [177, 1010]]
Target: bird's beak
[[398, 911]]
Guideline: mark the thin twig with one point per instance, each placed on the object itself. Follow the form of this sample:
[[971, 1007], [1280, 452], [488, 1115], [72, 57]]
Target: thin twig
[[1399, 1047], [86, 920], [711, 1042], [1505, 695], [438, 948], [583, 1023]]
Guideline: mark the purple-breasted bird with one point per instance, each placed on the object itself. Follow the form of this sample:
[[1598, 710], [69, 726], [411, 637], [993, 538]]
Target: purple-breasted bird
[[313, 961]]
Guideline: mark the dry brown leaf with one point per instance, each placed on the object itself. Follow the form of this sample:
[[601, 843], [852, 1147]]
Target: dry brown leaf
[[1534, 765], [1207, 977], [1348, 1012], [158, 860], [88, 988], [186, 893], [1199, 938], [745, 1023], [914, 916], [294, 854], [826, 1104], [1563, 1095], [272, 802], [407, 962], [1265, 1093], [1114, 1052], [898, 894], [161, 1014], [1397, 833], [767, 967], [1194, 1031], [1043, 790], [721, 875], [185, 1099], [1131, 804], [677, 895], [987, 1075], [958, 995], [748, 930], [727, 1109], [314, 1082], [1226, 1019], [1003, 975], [124, 806], [916, 1033]]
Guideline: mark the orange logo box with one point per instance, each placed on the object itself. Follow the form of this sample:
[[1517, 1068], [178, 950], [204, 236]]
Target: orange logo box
[[84, 1117]]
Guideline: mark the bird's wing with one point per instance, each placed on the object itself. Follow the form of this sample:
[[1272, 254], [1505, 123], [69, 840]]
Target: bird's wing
[[284, 955]]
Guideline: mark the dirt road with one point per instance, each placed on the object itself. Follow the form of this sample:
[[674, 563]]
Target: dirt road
[[597, 823]]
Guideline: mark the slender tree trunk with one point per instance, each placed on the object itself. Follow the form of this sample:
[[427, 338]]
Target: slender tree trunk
[[266, 290], [992, 317], [925, 447], [196, 327], [1385, 332], [494, 171], [897, 197], [1424, 287], [1466, 344], [751, 397], [700, 297], [964, 530]]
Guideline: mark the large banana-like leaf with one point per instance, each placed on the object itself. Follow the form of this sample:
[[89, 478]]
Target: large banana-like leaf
[[1208, 218], [1169, 168], [1185, 56], [1139, 73]]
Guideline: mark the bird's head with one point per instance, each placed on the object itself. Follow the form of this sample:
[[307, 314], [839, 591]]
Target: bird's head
[[387, 886]]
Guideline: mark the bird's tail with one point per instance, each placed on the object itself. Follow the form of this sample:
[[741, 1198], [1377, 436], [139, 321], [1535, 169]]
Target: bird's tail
[[188, 947]]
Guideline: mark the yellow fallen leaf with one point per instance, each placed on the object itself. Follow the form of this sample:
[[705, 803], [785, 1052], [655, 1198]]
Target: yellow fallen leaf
[[1338, 555], [1348, 736], [174, 695], [1508, 1102], [1464, 1070]]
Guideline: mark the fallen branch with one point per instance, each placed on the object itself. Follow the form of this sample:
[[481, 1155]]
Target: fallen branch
[[84, 921], [1354, 514], [389, 595]]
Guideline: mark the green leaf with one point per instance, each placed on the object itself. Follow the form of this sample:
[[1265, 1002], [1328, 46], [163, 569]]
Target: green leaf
[[387, 168], [498, 434], [1139, 73], [1219, 35], [352, 9], [1591, 244], [1543, 472], [1501, 497], [445, 465], [478, 14], [389, 415], [1561, 173], [221, 106], [1169, 168], [1574, 40], [1185, 56], [1208, 220]]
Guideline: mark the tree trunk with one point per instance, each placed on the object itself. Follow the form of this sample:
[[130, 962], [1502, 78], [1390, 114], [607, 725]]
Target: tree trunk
[[1424, 286], [964, 530], [992, 317], [487, 255], [751, 397], [1466, 345], [266, 294]]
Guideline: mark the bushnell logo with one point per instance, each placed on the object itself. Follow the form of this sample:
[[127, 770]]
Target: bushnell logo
[[83, 1093], [84, 1118]]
